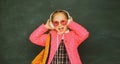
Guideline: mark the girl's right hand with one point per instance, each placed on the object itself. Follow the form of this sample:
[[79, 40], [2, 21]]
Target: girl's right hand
[[70, 20], [47, 25]]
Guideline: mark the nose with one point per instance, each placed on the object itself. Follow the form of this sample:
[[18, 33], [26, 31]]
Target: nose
[[59, 24]]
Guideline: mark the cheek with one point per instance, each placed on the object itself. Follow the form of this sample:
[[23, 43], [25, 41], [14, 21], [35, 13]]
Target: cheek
[[56, 28], [65, 27]]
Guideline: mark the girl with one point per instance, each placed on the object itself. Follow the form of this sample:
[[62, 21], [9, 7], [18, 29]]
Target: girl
[[66, 36]]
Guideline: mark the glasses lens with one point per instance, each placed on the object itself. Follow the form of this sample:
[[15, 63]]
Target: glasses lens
[[63, 22], [55, 23]]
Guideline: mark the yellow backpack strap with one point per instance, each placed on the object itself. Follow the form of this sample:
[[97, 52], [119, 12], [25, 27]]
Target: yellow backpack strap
[[47, 48], [42, 57]]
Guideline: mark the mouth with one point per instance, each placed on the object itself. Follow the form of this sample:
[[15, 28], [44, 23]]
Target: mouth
[[61, 29]]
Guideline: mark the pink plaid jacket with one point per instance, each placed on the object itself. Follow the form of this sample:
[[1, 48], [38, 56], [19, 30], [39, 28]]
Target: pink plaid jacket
[[72, 40]]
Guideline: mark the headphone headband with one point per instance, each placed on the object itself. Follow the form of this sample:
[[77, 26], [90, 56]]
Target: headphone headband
[[59, 11]]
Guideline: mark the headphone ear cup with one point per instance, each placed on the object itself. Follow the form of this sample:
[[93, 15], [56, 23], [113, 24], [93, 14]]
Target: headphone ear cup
[[68, 21], [51, 25]]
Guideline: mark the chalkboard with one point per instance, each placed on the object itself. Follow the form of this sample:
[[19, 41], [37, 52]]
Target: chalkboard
[[18, 18]]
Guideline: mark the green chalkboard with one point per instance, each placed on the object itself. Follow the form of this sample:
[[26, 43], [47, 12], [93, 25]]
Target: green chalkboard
[[18, 18]]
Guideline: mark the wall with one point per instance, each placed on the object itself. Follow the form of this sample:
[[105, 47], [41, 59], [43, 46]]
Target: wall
[[18, 18]]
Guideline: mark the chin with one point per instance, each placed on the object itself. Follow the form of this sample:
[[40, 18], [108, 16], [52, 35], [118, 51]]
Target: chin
[[61, 32]]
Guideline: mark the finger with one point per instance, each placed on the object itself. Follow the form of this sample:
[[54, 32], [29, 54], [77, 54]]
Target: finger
[[71, 18]]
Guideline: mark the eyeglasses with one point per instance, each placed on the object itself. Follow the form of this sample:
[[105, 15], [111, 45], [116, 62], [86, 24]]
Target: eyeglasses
[[56, 23]]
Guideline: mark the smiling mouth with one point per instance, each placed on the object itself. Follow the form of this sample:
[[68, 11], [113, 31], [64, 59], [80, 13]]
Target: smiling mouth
[[61, 29]]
